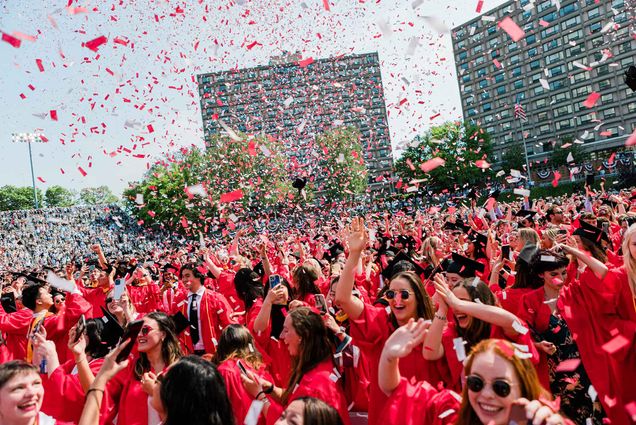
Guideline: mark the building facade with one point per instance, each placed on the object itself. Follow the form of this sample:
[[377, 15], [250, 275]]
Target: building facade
[[571, 49], [294, 101]]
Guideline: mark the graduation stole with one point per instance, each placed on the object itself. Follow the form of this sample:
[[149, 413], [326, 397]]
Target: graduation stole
[[37, 319]]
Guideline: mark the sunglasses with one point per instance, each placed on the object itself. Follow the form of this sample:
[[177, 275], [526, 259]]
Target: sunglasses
[[499, 386], [403, 293], [60, 301], [145, 330]]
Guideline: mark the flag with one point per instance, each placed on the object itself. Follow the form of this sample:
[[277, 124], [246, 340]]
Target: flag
[[520, 112]]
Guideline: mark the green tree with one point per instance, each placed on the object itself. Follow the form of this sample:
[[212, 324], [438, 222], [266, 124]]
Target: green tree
[[18, 198], [341, 166], [514, 158], [559, 156], [57, 196], [97, 196], [459, 145]]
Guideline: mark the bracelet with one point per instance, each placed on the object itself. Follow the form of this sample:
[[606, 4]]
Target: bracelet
[[442, 318], [259, 394], [90, 390], [83, 359]]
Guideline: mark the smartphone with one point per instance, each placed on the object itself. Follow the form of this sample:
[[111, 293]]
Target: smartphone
[[274, 281], [242, 367], [563, 232], [606, 227], [130, 333], [80, 329], [321, 303], [518, 415], [505, 252], [120, 286]]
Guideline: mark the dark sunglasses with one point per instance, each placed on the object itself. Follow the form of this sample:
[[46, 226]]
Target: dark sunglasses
[[145, 330], [499, 386], [404, 294], [109, 300], [60, 301]]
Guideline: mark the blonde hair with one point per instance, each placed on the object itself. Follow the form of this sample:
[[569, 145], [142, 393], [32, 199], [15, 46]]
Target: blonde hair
[[628, 260], [429, 246], [529, 236]]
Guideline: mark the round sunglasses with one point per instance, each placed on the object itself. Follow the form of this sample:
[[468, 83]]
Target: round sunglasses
[[499, 386], [403, 293]]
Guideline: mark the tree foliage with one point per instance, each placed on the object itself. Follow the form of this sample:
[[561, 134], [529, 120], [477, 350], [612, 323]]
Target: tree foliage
[[514, 158], [58, 196], [341, 169], [18, 198], [97, 196], [461, 146], [559, 156]]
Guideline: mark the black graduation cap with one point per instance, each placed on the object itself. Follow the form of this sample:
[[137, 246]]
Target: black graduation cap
[[299, 183], [181, 322], [472, 194], [591, 233], [464, 266], [32, 277], [458, 225], [630, 77], [589, 179], [259, 269], [494, 194], [112, 332], [609, 202], [333, 251], [389, 271], [526, 214], [478, 238], [527, 253]]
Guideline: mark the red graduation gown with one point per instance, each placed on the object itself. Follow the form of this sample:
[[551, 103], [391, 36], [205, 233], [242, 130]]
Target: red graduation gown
[[97, 298], [225, 283], [317, 383], [15, 327], [146, 298], [63, 394], [370, 331], [214, 313], [420, 404], [239, 397]]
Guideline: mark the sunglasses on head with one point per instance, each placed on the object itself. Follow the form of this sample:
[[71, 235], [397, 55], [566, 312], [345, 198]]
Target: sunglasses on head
[[403, 293], [500, 387]]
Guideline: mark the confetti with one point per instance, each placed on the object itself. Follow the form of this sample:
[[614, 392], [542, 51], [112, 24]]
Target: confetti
[[82, 172], [512, 29], [480, 4], [432, 164], [231, 196], [38, 62], [15, 42], [53, 114], [615, 344], [591, 100], [569, 365], [96, 43]]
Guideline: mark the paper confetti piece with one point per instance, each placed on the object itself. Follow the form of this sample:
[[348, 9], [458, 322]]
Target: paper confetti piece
[[95, 43], [483, 164], [231, 196], [512, 29], [568, 365], [591, 100], [480, 4], [305, 62], [557, 176], [38, 62], [519, 328], [460, 350], [631, 140], [432, 164], [53, 114], [615, 344], [325, 3], [15, 42], [41, 179], [150, 128]]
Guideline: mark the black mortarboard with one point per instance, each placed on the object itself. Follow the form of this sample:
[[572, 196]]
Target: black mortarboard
[[181, 322], [259, 269], [458, 225], [333, 251], [526, 214], [464, 266], [589, 179], [630, 77], [8, 303], [527, 253], [390, 271], [478, 238], [30, 277], [591, 233], [609, 202], [112, 332], [494, 194], [472, 194]]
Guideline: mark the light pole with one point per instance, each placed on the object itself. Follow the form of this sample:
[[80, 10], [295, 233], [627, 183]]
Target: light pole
[[28, 138]]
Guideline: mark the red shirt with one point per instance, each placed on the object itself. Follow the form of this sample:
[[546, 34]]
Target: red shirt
[[420, 404]]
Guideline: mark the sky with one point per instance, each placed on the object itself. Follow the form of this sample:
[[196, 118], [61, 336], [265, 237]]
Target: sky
[[122, 104]]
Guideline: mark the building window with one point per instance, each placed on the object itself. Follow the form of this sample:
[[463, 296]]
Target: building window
[[566, 10], [540, 103], [606, 98], [518, 84], [481, 72], [535, 64], [563, 124], [609, 113], [557, 70], [480, 60], [555, 57], [532, 52], [477, 49], [538, 90], [514, 59], [560, 97], [544, 129], [485, 95], [549, 31], [603, 84], [543, 116], [563, 110], [462, 56], [573, 51], [574, 35], [483, 84], [595, 27], [571, 22], [531, 39], [553, 44], [516, 71], [499, 78], [625, 47], [501, 90], [594, 13], [544, 6]]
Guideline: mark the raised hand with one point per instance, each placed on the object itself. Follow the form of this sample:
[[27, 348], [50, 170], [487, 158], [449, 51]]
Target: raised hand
[[358, 235], [401, 343]]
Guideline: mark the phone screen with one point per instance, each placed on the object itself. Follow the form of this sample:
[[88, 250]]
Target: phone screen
[[242, 367], [80, 329], [321, 303], [130, 333], [505, 252], [274, 281]]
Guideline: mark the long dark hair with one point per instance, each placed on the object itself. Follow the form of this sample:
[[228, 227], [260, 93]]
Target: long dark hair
[[425, 307], [317, 412], [95, 347], [478, 330], [538, 266], [170, 348], [193, 392], [236, 342], [305, 280], [248, 286], [316, 345]]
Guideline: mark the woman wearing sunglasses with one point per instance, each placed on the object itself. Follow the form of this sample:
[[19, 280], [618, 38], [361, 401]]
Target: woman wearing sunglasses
[[475, 318], [499, 387], [123, 309], [157, 348], [371, 325]]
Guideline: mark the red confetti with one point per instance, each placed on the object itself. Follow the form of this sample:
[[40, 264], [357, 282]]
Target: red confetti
[[231, 196], [306, 62], [615, 344], [512, 29], [480, 4], [252, 45], [150, 128], [482, 163], [432, 164], [591, 100], [82, 172], [53, 113], [38, 62], [95, 43], [184, 222], [568, 365], [41, 179], [434, 116], [631, 140], [557, 176], [11, 40], [326, 4]]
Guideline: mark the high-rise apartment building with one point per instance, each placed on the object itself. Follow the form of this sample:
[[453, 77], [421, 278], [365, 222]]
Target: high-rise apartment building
[[294, 100], [571, 49]]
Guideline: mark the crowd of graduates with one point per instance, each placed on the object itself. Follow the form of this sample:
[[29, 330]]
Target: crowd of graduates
[[466, 314]]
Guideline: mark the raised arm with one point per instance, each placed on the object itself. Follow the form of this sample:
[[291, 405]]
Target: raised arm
[[345, 299], [276, 295], [267, 266], [211, 265], [598, 268], [433, 348]]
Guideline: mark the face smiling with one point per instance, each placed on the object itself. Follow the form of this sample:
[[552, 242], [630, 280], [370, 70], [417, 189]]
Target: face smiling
[[153, 339], [489, 407], [290, 337], [463, 320], [401, 308], [21, 398]]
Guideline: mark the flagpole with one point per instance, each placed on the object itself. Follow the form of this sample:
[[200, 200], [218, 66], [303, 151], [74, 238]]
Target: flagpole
[[525, 151]]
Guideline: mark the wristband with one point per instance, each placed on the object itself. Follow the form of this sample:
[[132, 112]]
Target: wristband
[[90, 390], [259, 394], [269, 389], [442, 318]]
